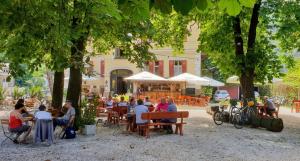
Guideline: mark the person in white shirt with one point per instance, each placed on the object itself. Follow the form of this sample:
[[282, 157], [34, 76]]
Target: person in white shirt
[[147, 102], [122, 102], [42, 114], [109, 103]]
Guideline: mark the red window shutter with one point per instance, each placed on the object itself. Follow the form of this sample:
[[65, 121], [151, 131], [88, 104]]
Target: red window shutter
[[184, 66], [151, 67], [161, 68], [171, 68], [102, 65]]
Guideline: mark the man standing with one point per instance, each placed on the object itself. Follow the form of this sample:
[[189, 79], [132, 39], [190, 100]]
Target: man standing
[[68, 118], [171, 108]]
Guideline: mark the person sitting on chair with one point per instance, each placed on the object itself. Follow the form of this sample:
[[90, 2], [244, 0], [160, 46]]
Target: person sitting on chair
[[17, 123], [122, 102], [162, 106], [109, 103], [139, 109], [171, 108], [42, 114], [68, 118], [147, 102], [270, 105]]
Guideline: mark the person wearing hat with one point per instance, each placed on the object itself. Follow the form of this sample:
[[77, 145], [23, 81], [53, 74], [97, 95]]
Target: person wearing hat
[[68, 118]]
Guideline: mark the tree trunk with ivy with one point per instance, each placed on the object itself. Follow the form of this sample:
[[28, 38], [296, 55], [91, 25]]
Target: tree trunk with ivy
[[247, 70], [58, 90]]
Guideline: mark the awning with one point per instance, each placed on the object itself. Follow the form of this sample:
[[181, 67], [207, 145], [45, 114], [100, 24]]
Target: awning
[[213, 83], [145, 76], [189, 78]]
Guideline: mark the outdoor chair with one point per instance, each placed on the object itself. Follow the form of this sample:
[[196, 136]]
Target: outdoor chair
[[43, 130], [8, 135], [63, 128]]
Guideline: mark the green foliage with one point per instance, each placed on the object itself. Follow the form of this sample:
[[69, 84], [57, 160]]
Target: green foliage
[[207, 91], [2, 93], [233, 102], [287, 14], [264, 90], [36, 91], [18, 92], [292, 78], [218, 44]]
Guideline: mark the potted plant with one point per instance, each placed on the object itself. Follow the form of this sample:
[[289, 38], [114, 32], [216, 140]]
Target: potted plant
[[88, 118], [2, 91]]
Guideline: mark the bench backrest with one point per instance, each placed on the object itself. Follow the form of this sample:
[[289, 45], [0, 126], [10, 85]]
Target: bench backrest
[[165, 115]]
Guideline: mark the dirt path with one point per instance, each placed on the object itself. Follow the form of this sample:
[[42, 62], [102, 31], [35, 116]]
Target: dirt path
[[202, 140]]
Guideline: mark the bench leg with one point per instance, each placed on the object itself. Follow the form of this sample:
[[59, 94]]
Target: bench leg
[[181, 129], [176, 129]]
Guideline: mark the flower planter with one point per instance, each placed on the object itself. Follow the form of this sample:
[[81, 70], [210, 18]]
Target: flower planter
[[89, 130]]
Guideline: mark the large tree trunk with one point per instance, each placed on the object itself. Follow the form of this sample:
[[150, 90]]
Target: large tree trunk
[[58, 90], [77, 53], [247, 71]]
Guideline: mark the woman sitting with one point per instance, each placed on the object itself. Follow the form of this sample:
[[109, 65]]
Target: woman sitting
[[17, 123], [162, 106]]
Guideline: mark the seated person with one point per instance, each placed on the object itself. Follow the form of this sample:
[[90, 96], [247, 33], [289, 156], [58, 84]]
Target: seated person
[[109, 103], [270, 105], [67, 118], [162, 106], [130, 109], [171, 108], [42, 114], [122, 102], [17, 123], [24, 112], [147, 102], [139, 109]]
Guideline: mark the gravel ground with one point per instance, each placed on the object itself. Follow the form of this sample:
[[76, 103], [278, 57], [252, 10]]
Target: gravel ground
[[202, 140]]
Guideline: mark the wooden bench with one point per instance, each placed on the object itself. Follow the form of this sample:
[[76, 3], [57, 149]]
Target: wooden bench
[[163, 115]]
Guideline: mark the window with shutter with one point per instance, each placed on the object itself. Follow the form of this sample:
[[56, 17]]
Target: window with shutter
[[177, 67], [171, 68]]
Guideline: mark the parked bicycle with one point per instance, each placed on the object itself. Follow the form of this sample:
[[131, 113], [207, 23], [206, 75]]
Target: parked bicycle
[[243, 115], [219, 116]]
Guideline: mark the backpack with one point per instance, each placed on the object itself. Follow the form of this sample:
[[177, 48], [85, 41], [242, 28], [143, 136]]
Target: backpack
[[69, 133]]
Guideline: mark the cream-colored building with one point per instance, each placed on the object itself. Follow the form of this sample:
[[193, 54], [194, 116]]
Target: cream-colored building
[[110, 70]]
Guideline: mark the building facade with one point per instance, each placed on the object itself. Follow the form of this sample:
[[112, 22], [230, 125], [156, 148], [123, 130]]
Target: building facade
[[110, 70]]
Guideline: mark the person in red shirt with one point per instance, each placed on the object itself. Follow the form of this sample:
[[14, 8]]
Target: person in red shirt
[[162, 106], [17, 123]]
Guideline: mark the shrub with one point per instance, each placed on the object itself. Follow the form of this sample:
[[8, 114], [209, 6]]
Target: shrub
[[18, 92], [2, 91], [88, 113]]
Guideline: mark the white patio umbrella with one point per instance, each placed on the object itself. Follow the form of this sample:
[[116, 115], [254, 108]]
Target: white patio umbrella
[[85, 78], [213, 83], [145, 76], [189, 78]]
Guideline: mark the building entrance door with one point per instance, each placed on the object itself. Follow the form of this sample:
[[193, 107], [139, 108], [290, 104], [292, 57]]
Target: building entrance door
[[118, 84]]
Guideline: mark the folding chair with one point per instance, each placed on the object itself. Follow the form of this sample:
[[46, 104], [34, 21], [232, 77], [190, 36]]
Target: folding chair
[[63, 128], [9, 135]]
